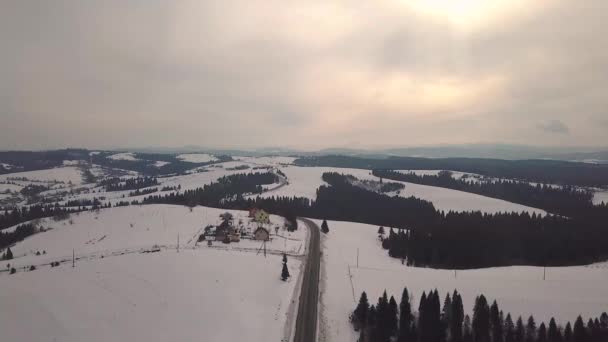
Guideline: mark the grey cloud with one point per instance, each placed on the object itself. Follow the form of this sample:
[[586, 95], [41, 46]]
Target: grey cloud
[[228, 74]]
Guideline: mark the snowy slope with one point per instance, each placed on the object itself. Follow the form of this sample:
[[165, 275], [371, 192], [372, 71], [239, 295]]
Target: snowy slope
[[196, 157], [195, 295], [123, 156], [117, 292], [600, 196], [60, 174], [130, 229], [304, 181], [566, 293]]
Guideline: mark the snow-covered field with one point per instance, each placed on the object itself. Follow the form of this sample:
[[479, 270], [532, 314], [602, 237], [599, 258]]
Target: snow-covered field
[[123, 156], [600, 196], [272, 161], [64, 174], [304, 181], [197, 157], [194, 295], [566, 292], [117, 292]]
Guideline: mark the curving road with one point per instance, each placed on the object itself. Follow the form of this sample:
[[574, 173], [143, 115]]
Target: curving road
[[306, 324]]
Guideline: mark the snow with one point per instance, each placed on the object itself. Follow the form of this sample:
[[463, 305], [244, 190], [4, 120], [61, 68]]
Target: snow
[[192, 295], [600, 196], [123, 156], [271, 161], [64, 174], [11, 187], [71, 162], [160, 163], [197, 157], [7, 166], [520, 290], [118, 293], [304, 182]]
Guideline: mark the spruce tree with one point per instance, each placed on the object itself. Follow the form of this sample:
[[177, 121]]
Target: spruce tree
[[531, 330], [481, 320], [568, 333], [446, 315], [360, 313], [520, 331], [457, 318], [9, 254], [509, 329], [422, 318], [405, 318], [284, 258], [542, 333], [392, 313], [579, 333], [553, 333], [324, 227], [495, 323], [285, 272]]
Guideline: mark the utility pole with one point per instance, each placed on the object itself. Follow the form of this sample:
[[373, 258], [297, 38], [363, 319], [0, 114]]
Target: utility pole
[[357, 257], [73, 258], [178, 242], [544, 272]]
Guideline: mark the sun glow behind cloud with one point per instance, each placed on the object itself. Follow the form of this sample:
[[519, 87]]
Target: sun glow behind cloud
[[471, 14]]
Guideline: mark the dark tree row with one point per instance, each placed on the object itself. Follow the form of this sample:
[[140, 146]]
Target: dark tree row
[[560, 200], [118, 184], [541, 171], [225, 189], [385, 322], [16, 216]]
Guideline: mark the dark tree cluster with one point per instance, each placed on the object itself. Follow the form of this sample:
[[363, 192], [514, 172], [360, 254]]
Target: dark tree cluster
[[39, 160], [33, 190], [118, 184], [385, 322], [27, 213], [85, 202], [565, 200], [227, 188], [20, 233], [541, 171], [140, 192]]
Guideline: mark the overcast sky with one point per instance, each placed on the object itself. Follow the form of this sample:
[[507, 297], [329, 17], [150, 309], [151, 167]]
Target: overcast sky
[[304, 74]]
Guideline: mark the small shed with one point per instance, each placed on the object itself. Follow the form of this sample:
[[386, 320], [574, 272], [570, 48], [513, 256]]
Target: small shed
[[261, 234]]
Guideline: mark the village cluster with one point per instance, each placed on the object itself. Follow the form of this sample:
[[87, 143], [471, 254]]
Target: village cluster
[[256, 226]]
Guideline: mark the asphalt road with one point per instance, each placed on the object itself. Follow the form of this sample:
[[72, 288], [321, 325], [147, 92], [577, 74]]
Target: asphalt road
[[306, 324]]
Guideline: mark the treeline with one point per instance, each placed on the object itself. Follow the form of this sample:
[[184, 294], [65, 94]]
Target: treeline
[[225, 189], [119, 184], [39, 160], [20, 233], [541, 171], [145, 163], [387, 321], [140, 192], [565, 200], [20, 215], [95, 203], [454, 239]]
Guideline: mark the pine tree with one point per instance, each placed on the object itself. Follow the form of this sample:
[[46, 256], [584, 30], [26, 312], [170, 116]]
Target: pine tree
[[446, 315], [285, 273], [542, 333], [520, 331], [9, 254], [531, 329], [457, 318], [495, 323], [392, 313], [568, 333], [284, 258], [360, 313], [509, 329], [381, 233], [579, 334], [481, 320], [422, 318], [553, 335], [324, 227], [405, 318]]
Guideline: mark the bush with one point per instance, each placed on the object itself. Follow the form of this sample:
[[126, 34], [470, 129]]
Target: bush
[[13, 270]]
